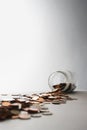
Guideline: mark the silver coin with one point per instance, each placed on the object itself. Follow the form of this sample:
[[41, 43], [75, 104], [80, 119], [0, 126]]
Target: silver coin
[[15, 112], [24, 115], [35, 97], [36, 115], [56, 102], [42, 111], [47, 113], [47, 102], [44, 108], [52, 97]]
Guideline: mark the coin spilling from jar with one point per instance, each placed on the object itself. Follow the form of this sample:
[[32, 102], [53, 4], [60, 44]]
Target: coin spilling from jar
[[19, 106]]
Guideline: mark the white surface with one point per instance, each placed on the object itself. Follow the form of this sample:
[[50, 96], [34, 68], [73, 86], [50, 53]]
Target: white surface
[[70, 116], [38, 37]]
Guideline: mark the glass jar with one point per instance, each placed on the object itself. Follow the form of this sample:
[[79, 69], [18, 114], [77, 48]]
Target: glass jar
[[65, 79]]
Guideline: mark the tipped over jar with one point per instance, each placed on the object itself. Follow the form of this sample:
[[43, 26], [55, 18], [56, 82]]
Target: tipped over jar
[[63, 80]]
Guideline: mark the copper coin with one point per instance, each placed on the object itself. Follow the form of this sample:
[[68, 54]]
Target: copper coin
[[15, 117], [44, 95], [26, 109], [41, 100], [34, 110], [5, 103]]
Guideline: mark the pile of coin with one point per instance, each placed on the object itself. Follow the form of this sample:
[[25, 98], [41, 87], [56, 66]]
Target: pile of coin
[[25, 106]]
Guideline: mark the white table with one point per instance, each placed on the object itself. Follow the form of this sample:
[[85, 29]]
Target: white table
[[69, 116]]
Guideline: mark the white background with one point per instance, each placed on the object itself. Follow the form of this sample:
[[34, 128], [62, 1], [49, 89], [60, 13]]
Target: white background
[[38, 37]]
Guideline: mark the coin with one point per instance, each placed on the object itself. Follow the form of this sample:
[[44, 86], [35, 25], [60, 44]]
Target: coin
[[35, 97], [26, 108], [44, 108], [24, 115], [36, 115], [44, 95], [55, 102], [4, 113], [5, 103], [15, 112], [41, 100], [42, 111], [16, 105], [47, 113], [33, 110], [15, 117], [52, 97], [21, 100]]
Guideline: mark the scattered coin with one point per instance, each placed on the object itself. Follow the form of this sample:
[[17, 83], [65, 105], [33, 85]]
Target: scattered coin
[[42, 111], [16, 105], [56, 102], [21, 100], [5, 103], [52, 97], [47, 113], [41, 100], [31, 109], [36, 115], [26, 109], [47, 102], [15, 117], [44, 108], [24, 115], [27, 106], [15, 112], [35, 97]]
